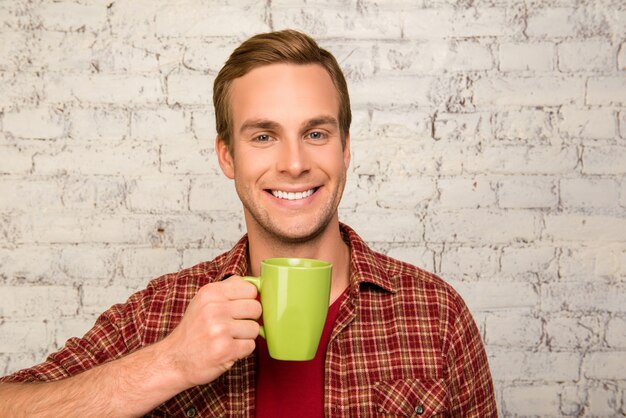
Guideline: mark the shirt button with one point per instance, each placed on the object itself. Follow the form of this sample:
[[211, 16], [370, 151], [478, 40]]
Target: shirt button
[[419, 409], [191, 412]]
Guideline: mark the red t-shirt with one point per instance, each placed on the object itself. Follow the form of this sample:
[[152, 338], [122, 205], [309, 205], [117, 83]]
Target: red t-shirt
[[293, 388]]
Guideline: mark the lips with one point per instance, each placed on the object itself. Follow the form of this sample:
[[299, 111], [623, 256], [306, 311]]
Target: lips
[[292, 195]]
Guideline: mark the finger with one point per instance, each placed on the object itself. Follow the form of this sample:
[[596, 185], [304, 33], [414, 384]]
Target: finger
[[236, 288], [243, 348], [244, 329], [245, 309]]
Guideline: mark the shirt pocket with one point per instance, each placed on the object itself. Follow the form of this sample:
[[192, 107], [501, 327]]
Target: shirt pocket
[[421, 398]]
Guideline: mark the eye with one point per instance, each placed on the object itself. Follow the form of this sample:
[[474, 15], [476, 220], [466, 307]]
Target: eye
[[262, 138], [315, 135]]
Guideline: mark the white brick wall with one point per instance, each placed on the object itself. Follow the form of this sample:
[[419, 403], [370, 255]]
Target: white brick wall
[[488, 146]]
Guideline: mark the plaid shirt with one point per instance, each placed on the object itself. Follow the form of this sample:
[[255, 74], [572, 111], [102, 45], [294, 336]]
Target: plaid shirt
[[404, 343]]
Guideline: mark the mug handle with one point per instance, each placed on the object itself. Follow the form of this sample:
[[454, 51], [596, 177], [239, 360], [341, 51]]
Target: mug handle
[[257, 282]]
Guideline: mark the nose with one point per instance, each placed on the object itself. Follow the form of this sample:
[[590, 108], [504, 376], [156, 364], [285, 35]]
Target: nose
[[293, 158]]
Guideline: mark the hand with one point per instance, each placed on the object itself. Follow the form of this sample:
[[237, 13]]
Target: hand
[[219, 327]]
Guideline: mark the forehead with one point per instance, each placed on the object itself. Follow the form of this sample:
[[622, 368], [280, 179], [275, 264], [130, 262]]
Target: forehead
[[285, 93]]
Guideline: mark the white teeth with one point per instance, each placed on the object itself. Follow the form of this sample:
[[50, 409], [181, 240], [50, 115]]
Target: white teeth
[[291, 195]]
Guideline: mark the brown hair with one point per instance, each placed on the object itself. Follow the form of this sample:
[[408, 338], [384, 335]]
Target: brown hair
[[286, 46]]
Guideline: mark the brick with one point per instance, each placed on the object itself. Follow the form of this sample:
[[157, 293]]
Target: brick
[[528, 91], [19, 263], [476, 192], [404, 193], [208, 56], [623, 194], [535, 366], [519, 159], [526, 56], [463, 127], [622, 124], [565, 333], [538, 260], [496, 295], [149, 262], [540, 400], [462, 262], [70, 16], [589, 193], [527, 192], [99, 123], [35, 123], [524, 124], [397, 124], [204, 191], [15, 159], [203, 127], [120, 55], [96, 158], [19, 89], [194, 256], [418, 256], [66, 328], [158, 194], [63, 51], [616, 332], [401, 225], [104, 88], [606, 91], [584, 228], [14, 47], [190, 89], [588, 123], [12, 362], [70, 227], [551, 23], [89, 192], [607, 159], [461, 23], [586, 56], [399, 90], [185, 20], [513, 329], [583, 296], [162, 124], [603, 401], [480, 226], [189, 157], [434, 57], [590, 262], [25, 194], [335, 20], [19, 335], [88, 263], [133, 19], [97, 299], [604, 365], [25, 302]]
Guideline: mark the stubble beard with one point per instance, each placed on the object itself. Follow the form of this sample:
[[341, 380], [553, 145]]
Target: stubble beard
[[272, 229]]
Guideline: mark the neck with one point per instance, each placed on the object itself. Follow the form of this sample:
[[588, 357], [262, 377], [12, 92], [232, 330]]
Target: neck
[[328, 246]]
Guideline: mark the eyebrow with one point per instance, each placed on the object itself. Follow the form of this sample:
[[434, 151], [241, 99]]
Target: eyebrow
[[266, 124]]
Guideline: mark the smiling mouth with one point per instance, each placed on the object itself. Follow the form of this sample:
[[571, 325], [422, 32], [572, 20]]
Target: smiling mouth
[[293, 195]]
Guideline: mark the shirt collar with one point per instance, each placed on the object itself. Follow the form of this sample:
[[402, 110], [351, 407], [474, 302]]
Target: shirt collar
[[366, 265]]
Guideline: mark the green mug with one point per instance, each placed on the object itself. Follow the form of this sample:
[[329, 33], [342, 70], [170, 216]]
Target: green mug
[[295, 293]]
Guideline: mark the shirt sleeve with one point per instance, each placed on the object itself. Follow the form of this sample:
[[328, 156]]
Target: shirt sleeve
[[470, 385], [117, 332]]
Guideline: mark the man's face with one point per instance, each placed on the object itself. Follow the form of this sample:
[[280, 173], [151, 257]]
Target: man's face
[[286, 154]]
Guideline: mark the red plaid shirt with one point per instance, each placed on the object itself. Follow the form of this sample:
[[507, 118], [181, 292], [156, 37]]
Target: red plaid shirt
[[404, 343]]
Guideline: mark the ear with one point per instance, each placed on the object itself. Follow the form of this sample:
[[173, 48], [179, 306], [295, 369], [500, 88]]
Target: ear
[[346, 152], [225, 158]]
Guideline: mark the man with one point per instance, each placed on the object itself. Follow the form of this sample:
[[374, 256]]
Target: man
[[398, 340]]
